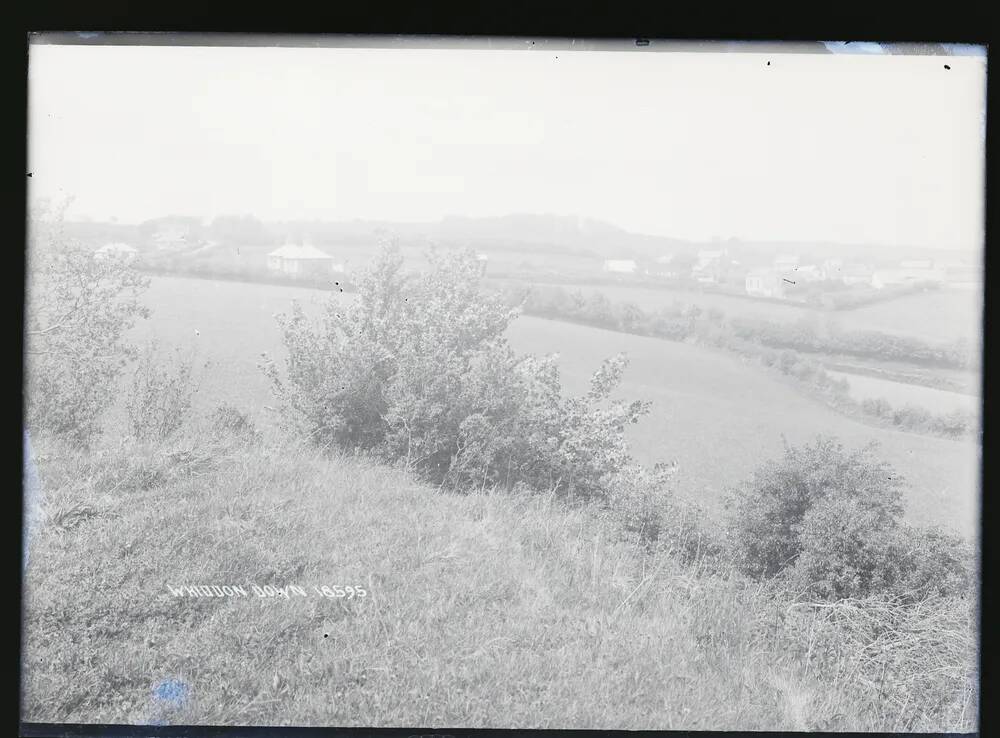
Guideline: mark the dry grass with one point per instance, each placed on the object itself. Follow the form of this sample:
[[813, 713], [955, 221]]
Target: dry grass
[[483, 610]]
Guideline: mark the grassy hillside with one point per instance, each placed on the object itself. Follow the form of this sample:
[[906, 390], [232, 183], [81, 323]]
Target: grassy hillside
[[716, 417], [481, 610], [942, 315]]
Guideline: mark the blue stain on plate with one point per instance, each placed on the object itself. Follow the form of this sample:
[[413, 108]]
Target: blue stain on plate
[[965, 49], [32, 497], [171, 692], [854, 47]]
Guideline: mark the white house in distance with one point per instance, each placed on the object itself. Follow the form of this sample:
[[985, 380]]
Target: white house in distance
[[116, 251], [620, 266], [808, 273], [292, 259], [765, 283], [832, 269], [663, 266]]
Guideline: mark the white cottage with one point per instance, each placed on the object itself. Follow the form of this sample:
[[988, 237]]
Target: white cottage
[[292, 259], [116, 251], [620, 266]]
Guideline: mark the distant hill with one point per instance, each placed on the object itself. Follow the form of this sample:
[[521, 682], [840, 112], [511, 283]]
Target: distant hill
[[519, 233]]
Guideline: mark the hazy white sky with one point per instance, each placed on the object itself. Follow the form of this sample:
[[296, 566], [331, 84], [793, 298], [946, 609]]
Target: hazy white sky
[[863, 149]]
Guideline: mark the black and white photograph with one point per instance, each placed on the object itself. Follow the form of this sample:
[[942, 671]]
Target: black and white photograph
[[413, 382]]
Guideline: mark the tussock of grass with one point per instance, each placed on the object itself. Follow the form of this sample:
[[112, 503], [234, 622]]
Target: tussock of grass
[[483, 610]]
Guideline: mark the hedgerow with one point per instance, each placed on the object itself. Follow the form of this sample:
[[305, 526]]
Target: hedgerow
[[774, 345]]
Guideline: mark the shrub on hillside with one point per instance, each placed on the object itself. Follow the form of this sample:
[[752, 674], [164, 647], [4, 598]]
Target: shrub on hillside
[[229, 419], [78, 311], [770, 509], [649, 511], [419, 370], [830, 520], [160, 394], [877, 406], [956, 423]]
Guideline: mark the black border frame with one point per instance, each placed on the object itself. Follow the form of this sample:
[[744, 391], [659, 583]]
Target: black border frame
[[512, 19]]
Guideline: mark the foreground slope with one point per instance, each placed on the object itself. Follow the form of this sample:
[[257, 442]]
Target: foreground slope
[[481, 611]]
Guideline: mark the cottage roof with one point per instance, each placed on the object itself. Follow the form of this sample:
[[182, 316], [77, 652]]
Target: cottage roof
[[292, 251]]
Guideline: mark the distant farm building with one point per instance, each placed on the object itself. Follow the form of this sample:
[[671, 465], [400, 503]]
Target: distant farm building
[[664, 266], [116, 251], [832, 269], [620, 266], [765, 283], [303, 260], [808, 273]]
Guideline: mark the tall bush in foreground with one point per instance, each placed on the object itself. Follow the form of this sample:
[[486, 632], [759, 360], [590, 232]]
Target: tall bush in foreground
[[78, 310], [830, 520], [160, 394], [418, 370]]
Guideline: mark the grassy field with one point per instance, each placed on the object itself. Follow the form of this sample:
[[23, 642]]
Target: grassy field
[[719, 419], [480, 610], [716, 417], [899, 394], [940, 316]]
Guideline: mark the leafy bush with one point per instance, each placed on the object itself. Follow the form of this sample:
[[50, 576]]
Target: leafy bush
[[419, 370], [160, 394], [956, 423], [229, 419], [878, 407], [770, 511], [830, 521], [77, 314], [644, 506]]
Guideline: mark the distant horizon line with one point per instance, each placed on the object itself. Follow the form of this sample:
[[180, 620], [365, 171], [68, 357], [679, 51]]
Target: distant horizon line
[[206, 220]]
